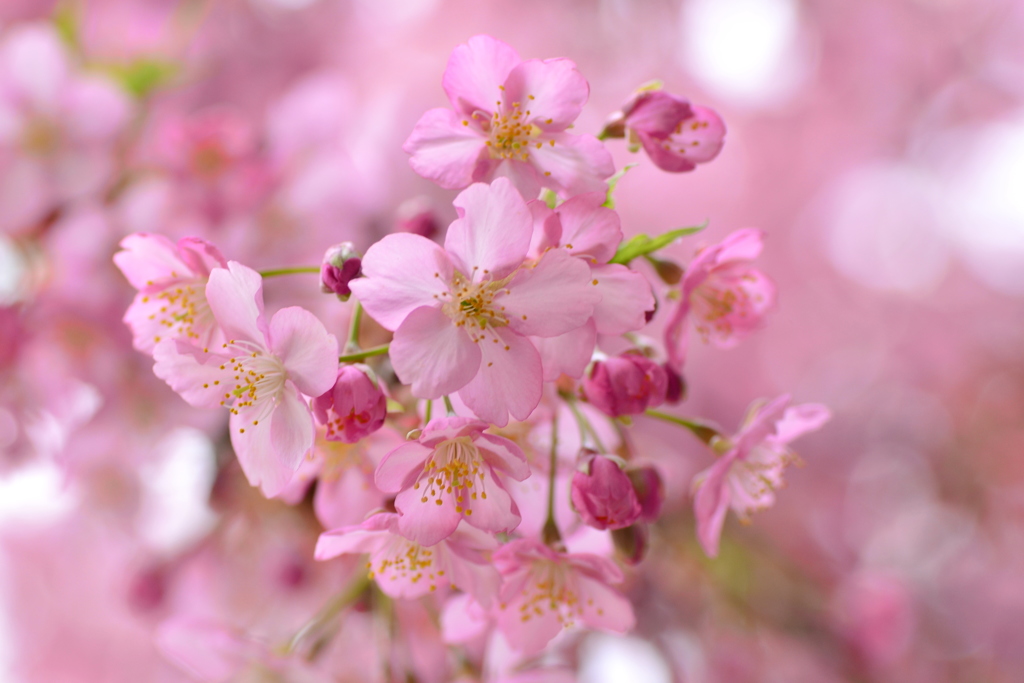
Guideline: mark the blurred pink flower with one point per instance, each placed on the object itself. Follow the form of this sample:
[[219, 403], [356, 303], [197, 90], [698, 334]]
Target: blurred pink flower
[[746, 476], [544, 591], [171, 279], [627, 384], [510, 119], [353, 408], [603, 495], [726, 298], [449, 474], [463, 315], [260, 374], [675, 134], [406, 569], [57, 127]]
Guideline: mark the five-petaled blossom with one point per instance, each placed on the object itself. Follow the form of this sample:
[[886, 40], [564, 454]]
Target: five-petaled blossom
[[724, 295], [171, 279], [463, 315], [544, 591], [406, 569], [260, 373], [746, 476], [510, 119], [450, 474]]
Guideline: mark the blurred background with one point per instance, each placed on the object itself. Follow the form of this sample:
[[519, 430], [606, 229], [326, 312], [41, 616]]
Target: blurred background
[[879, 144]]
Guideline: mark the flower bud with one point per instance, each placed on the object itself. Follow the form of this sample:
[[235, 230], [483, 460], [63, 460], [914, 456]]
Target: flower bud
[[649, 489], [354, 408], [676, 388], [417, 216], [632, 543], [341, 265], [626, 385], [603, 495]]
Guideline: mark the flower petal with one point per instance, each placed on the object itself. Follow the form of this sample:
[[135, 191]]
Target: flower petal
[[567, 354], [271, 447], [400, 467], [426, 523], [235, 296], [509, 380], [447, 149], [192, 372], [553, 297], [504, 455], [553, 90], [625, 299], [475, 72], [490, 238], [432, 354], [589, 228], [575, 164], [308, 352], [146, 259], [711, 502]]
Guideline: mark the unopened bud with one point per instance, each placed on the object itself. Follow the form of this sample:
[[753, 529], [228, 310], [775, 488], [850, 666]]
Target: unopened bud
[[603, 495], [675, 390], [353, 408], [625, 385], [632, 543], [417, 216], [341, 264]]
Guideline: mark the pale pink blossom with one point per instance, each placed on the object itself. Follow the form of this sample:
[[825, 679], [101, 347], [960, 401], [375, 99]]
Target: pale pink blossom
[[354, 407], [171, 280], [746, 476], [463, 315], [586, 229], [451, 474], [510, 119], [603, 495], [724, 295], [259, 373], [405, 569], [675, 134], [627, 384], [58, 127], [544, 591]]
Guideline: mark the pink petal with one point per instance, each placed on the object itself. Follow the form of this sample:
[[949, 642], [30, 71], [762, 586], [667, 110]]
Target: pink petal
[[426, 523], [474, 73], [569, 353], [36, 61], [677, 335], [346, 499], [235, 296], [711, 502], [604, 608], [147, 259], [490, 238], [799, 420], [553, 91], [590, 228], [199, 255], [741, 245], [352, 540], [522, 174], [95, 109], [532, 635], [547, 228], [272, 450], [504, 455], [493, 509], [575, 164], [702, 136], [206, 650], [447, 149], [192, 372], [553, 297], [509, 378], [401, 273], [400, 468], [308, 352], [657, 113], [665, 155], [432, 354], [761, 424], [625, 299]]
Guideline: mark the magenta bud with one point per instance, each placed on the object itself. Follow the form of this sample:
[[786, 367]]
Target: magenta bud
[[676, 388], [603, 495], [649, 489], [626, 385], [340, 266], [354, 408], [632, 543], [418, 217]]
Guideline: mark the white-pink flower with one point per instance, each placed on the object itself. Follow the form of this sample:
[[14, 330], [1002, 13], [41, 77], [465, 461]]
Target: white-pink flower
[[725, 296], [171, 280], [449, 475], [57, 127], [510, 119], [406, 569], [463, 315], [544, 591], [260, 373], [746, 476]]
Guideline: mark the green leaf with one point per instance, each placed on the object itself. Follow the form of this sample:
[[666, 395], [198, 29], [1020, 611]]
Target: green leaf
[[641, 245], [144, 75], [609, 202]]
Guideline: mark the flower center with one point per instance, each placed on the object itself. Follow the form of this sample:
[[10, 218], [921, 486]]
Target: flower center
[[252, 377], [403, 559], [183, 309], [452, 471], [472, 304], [550, 590]]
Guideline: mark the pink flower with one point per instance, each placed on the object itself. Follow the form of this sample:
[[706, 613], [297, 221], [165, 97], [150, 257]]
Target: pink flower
[[353, 408], [726, 298], [171, 279], [450, 474], [260, 374], [675, 134], [463, 315], [544, 591], [591, 232], [510, 119], [406, 569], [603, 495], [57, 127], [627, 384], [746, 476]]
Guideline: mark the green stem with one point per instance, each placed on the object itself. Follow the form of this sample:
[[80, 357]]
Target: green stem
[[585, 426], [274, 272], [427, 413], [353, 329], [551, 534], [448, 406], [702, 431], [364, 354]]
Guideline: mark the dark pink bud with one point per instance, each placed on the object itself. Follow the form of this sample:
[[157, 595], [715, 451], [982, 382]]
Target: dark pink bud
[[632, 543], [418, 217], [341, 265], [656, 113], [649, 489], [626, 385], [603, 495], [675, 134], [676, 388], [354, 408]]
